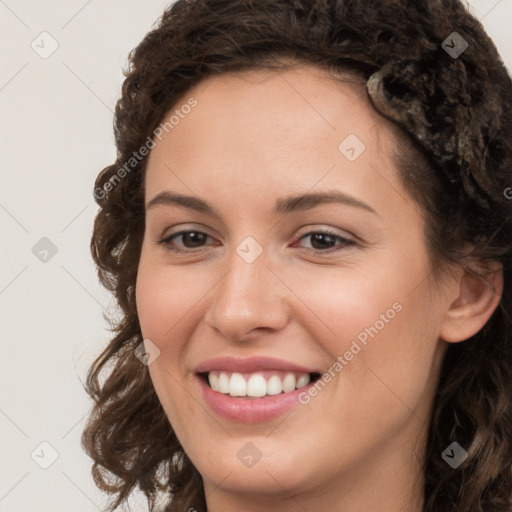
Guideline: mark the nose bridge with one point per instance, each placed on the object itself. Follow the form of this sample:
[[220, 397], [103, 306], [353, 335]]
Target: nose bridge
[[248, 297]]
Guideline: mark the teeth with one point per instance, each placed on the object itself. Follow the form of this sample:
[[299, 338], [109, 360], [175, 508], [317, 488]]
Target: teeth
[[256, 385], [237, 385], [274, 385], [214, 381], [289, 383], [302, 381], [223, 383]]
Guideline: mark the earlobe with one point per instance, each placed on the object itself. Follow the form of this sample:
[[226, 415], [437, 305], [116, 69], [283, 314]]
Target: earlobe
[[477, 300]]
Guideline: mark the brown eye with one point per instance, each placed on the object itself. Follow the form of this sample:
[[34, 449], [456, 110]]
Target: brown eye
[[325, 241], [192, 238], [189, 239]]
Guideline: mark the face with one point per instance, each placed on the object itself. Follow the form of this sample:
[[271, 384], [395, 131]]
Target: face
[[257, 289]]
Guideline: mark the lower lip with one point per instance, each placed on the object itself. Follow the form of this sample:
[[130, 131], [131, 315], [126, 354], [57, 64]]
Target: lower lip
[[248, 410]]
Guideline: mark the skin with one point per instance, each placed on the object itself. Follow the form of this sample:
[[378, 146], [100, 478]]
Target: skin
[[255, 137]]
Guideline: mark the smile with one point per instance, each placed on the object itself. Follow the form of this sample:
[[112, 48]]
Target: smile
[[257, 384], [253, 390]]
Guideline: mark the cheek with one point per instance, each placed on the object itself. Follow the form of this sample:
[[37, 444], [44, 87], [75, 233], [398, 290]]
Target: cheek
[[338, 305], [165, 304], [166, 298], [379, 322], [169, 308]]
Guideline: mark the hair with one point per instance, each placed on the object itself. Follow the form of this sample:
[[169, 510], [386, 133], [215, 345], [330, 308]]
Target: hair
[[453, 117]]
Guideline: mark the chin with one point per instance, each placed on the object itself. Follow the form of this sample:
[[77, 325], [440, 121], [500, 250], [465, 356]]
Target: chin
[[268, 475]]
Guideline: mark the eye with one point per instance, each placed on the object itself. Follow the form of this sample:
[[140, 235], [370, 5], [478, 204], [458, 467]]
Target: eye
[[325, 241], [191, 240], [321, 241]]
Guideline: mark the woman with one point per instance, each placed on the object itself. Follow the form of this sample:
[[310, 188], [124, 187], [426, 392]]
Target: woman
[[308, 231]]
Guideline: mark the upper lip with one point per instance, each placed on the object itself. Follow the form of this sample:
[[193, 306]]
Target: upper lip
[[251, 364]]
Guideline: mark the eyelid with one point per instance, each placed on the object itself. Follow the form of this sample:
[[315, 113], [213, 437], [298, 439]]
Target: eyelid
[[328, 231], [166, 240], [185, 228], [308, 230], [346, 241]]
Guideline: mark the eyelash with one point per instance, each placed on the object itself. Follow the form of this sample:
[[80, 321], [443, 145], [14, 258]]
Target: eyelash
[[166, 242]]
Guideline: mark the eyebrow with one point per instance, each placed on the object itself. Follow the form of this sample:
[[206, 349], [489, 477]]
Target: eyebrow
[[294, 203]]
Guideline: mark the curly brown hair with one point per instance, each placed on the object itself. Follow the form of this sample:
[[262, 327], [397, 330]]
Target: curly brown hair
[[454, 117]]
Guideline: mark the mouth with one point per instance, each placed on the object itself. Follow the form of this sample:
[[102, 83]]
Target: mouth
[[255, 389], [260, 384]]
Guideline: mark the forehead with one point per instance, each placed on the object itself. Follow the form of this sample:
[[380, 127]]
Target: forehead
[[272, 130], [266, 98], [305, 100]]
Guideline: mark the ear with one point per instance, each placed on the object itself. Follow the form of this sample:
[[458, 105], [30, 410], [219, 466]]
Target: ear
[[476, 300]]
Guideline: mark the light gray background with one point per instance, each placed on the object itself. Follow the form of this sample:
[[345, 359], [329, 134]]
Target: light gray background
[[56, 135]]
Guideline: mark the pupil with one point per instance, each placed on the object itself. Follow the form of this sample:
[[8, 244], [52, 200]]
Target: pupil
[[195, 238], [322, 238]]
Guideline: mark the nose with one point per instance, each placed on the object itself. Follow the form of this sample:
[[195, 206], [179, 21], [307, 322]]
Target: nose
[[249, 300]]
